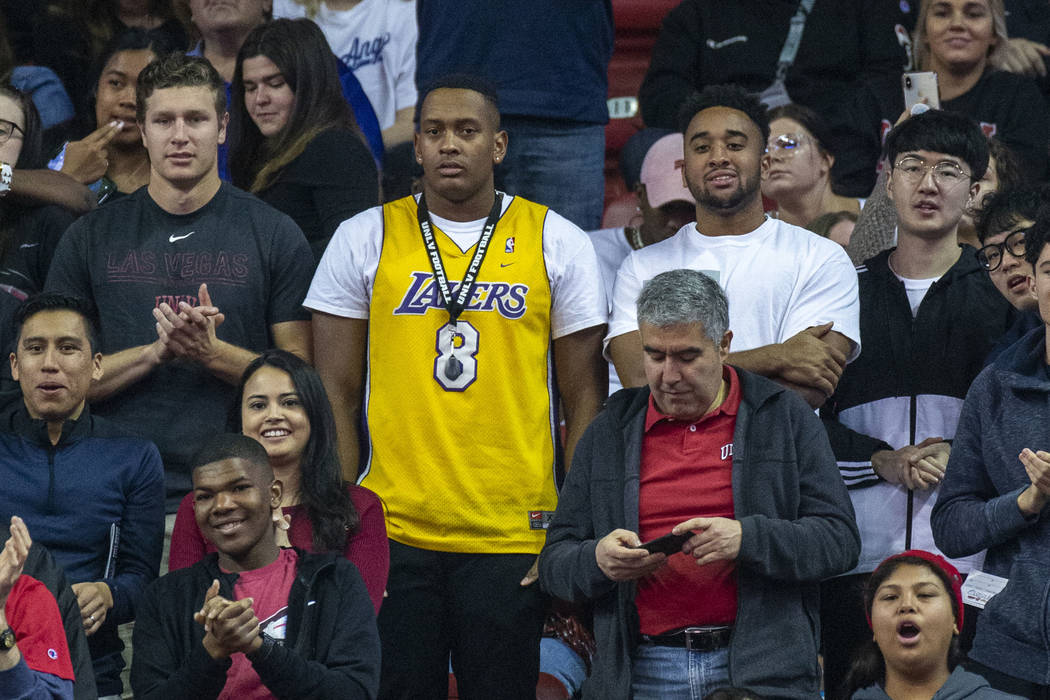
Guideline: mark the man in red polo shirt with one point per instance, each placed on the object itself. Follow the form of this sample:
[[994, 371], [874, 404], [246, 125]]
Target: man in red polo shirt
[[738, 465]]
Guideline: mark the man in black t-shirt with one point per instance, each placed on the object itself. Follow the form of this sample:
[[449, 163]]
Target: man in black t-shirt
[[168, 250]]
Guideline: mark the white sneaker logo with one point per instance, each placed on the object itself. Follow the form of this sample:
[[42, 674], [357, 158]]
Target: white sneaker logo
[[172, 238]]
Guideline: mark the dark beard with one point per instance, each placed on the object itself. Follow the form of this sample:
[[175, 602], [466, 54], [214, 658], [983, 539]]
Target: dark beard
[[744, 192]]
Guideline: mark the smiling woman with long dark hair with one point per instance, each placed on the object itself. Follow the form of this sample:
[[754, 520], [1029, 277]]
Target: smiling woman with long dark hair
[[282, 404], [294, 141]]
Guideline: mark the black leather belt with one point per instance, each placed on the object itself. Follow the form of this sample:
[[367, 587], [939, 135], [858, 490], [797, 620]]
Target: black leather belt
[[692, 638]]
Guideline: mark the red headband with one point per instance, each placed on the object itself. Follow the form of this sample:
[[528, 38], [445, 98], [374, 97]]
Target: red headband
[[940, 563]]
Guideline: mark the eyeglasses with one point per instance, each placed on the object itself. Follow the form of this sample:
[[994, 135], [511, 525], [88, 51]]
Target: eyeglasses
[[945, 173], [991, 255], [8, 129], [785, 144]]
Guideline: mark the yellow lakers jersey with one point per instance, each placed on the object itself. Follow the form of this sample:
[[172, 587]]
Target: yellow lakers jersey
[[463, 464]]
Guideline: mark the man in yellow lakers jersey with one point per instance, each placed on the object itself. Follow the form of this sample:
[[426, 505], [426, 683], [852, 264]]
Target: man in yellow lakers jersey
[[458, 319]]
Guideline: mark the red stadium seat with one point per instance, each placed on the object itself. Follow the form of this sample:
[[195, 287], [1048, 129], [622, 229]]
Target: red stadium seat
[[637, 23]]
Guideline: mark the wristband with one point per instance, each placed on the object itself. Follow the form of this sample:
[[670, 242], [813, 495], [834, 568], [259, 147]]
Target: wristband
[[6, 173]]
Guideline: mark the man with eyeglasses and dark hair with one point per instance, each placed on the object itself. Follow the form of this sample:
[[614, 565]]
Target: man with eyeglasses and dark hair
[[929, 314], [1002, 227]]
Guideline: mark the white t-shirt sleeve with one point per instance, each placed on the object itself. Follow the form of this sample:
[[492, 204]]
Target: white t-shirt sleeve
[[625, 296], [342, 285], [829, 294], [577, 294], [288, 8]]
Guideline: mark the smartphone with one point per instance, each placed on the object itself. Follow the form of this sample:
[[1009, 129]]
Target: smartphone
[[668, 544], [920, 87]]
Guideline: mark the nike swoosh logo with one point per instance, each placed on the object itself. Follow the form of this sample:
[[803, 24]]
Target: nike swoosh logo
[[29, 245], [172, 238], [505, 264]]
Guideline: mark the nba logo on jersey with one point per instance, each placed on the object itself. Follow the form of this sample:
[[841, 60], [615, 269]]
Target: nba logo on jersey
[[509, 246]]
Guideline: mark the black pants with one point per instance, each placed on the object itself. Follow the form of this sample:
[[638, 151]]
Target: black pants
[[843, 628], [470, 606]]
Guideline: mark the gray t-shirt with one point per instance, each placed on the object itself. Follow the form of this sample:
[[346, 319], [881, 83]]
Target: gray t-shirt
[[131, 255]]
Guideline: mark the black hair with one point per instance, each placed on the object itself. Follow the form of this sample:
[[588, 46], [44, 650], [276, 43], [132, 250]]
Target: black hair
[[134, 39], [731, 96], [321, 488], [32, 155], [1004, 209], [869, 666], [810, 120], [53, 301], [301, 53], [461, 81], [179, 70], [1038, 236], [223, 446], [950, 133]]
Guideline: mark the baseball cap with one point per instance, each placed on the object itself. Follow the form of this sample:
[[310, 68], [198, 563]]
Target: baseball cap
[[662, 172]]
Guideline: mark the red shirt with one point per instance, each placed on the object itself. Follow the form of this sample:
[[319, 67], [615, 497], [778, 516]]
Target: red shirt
[[268, 588], [33, 614], [687, 472]]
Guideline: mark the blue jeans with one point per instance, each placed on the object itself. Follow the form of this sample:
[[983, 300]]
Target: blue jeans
[[671, 673], [557, 659], [556, 163]]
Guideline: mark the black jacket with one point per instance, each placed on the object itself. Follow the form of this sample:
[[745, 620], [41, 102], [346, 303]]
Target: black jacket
[[331, 649], [908, 384]]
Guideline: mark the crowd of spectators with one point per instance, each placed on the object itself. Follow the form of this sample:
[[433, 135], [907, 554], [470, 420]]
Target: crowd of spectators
[[310, 313]]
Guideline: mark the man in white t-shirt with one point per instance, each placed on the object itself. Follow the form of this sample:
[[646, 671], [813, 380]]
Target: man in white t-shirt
[[929, 315], [446, 315], [792, 295]]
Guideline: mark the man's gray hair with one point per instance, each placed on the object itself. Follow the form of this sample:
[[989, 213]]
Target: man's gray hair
[[684, 297]]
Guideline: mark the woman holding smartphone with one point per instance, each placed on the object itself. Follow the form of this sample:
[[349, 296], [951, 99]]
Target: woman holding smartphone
[[957, 39]]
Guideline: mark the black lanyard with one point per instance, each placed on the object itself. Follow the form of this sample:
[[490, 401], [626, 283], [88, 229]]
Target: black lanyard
[[455, 306], [470, 277]]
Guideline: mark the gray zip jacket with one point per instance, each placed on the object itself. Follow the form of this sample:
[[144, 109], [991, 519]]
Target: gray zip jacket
[[797, 528]]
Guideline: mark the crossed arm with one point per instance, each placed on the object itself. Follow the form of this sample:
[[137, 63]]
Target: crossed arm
[[810, 362]]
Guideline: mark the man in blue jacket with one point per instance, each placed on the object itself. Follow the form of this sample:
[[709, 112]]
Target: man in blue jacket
[[742, 468], [92, 495]]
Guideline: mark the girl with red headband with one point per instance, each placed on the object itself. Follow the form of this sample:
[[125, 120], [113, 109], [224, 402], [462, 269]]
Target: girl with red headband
[[915, 608]]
